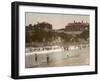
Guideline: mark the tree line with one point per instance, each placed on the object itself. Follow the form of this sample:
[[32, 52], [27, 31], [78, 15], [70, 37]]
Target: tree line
[[44, 33]]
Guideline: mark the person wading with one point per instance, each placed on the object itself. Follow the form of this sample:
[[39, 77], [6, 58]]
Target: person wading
[[48, 59], [36, 57]]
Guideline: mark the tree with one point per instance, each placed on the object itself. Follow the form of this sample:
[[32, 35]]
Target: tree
[[42, 32], [84, 35], [28, 37], [65, 37]]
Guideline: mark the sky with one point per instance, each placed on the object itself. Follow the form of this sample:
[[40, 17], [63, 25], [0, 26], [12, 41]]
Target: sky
[[58, 21]]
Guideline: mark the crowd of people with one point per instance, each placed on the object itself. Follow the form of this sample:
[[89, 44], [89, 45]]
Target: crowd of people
[[46, 48]]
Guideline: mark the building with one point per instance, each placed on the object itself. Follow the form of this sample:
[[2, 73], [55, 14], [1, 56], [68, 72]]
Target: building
[[77, 26]]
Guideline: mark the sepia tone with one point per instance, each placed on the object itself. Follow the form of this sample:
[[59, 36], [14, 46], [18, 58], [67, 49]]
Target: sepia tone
[[53, 40]]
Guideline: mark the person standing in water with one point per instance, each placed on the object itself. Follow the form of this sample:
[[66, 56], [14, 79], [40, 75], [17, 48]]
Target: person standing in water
[[36, 57], [47, 59]]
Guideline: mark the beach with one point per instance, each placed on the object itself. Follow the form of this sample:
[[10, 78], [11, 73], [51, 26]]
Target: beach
[[57, 59]]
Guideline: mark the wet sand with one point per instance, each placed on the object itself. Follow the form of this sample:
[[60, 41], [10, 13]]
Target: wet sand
[[81, 59]]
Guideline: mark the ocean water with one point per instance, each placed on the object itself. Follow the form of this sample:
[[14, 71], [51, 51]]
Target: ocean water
[[36, 60]]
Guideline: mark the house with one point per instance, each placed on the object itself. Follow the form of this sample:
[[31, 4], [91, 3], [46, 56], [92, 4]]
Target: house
[[77, 26]]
